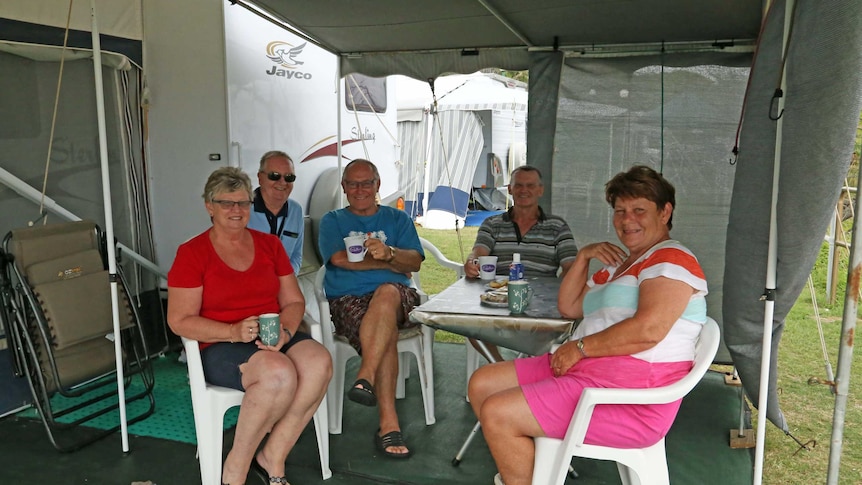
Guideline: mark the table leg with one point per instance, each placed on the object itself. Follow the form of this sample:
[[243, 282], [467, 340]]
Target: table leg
[[484, 352], [457, 460]]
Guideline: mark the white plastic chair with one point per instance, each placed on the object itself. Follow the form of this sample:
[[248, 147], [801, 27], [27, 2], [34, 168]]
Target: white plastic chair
[[210, 403], [474, 359], [638, 466], [417, 340]]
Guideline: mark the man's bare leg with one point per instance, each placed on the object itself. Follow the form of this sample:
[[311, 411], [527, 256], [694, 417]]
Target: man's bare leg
[[378, 335]]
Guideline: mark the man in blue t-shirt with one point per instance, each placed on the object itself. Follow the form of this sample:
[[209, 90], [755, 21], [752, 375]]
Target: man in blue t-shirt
[[370, 300], [273, 212]]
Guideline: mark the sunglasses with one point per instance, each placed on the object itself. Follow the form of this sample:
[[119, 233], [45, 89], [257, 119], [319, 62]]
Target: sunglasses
[[274, 176]]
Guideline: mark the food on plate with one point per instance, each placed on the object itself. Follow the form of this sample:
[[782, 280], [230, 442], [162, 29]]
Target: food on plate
[[495, 297], [498, 283]]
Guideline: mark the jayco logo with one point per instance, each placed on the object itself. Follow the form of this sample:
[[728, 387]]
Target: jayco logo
[[286, 56]]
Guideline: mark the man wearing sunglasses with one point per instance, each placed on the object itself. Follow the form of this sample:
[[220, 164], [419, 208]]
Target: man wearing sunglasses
[[273, 212]]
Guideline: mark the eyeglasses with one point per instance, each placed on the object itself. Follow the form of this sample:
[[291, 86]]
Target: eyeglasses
[[274, 176], [230, 204], [365, 184]]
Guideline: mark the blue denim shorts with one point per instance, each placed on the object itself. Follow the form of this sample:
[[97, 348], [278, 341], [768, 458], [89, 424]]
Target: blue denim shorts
[[221, 360]]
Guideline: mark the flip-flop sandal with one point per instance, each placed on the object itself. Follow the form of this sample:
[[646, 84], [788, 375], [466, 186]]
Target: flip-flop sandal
[[363, 393], [389, 440]]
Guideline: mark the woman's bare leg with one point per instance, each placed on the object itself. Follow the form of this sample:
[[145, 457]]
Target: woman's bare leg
[[509, 427], [314, 369]]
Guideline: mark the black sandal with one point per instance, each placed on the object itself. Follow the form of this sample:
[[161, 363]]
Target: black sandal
[[390, 439], [363, 393], [264, 475]]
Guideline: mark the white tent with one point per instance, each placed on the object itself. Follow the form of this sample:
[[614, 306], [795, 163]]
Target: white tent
[[465, 132]]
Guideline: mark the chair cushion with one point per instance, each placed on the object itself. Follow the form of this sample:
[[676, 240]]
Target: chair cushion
[[65, 267], [80, 309], [77, 364], [42, 243], [74, 293], [310, 259]]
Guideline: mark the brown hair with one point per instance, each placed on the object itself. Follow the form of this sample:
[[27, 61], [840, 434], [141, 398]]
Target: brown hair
[[641, 182], [527, 169]]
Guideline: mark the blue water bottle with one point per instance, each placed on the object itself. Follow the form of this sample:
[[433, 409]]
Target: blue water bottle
[[516, 269]]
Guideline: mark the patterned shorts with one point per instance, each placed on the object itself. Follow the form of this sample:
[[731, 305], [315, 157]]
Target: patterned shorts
[[347, 312]]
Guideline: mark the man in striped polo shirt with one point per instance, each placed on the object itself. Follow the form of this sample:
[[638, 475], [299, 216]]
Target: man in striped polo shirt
[[544, 241]]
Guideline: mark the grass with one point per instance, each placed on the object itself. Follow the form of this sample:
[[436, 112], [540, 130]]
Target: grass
[[807, 405]]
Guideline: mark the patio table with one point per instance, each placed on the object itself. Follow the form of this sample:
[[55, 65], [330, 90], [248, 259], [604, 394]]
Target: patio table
[[458, 309]]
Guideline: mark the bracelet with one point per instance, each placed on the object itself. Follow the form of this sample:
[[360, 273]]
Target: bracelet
[[580, 346], [289, 335]]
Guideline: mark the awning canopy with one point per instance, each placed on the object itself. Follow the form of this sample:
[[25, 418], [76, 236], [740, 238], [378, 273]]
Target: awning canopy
[[380, 38]]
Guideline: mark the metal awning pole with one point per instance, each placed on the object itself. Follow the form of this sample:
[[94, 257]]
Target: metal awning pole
[[338, 146], [771, 266], [50, 205], [109, 224], [845, 347]]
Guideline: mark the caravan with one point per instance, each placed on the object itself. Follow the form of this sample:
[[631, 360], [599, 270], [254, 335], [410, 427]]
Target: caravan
[[266, 89], [283, 93]]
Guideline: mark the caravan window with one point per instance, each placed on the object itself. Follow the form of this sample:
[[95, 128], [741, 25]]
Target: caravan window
[[365, 93]]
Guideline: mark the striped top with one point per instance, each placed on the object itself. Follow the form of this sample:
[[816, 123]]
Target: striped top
[[544, 248], [611, 299]]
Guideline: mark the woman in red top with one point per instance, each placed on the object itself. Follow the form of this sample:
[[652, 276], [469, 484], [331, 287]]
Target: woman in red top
[[221, 280]]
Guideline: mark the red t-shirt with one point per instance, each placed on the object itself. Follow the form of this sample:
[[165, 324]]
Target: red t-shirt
[[229, 295]]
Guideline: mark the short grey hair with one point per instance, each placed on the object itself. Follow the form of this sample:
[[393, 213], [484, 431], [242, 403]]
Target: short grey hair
[[224, 180], [272, 154]]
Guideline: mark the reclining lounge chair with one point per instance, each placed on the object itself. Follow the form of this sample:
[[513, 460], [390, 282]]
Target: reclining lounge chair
[[56, 308]]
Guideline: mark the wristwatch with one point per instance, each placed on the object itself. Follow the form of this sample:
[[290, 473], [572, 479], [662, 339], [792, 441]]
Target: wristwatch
[[580, 345], [392, 251]]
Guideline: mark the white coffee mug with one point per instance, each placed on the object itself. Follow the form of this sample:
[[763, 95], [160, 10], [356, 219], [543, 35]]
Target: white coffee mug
[[487, 267], [355, 246]]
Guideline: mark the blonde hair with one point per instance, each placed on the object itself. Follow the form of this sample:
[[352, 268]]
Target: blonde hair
[[224, 180]]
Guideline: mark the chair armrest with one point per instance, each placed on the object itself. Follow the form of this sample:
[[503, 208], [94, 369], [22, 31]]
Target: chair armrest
[[442, 260], [314, 327]]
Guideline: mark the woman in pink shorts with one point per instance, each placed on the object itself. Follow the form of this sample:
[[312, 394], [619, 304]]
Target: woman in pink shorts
[[642, 314]]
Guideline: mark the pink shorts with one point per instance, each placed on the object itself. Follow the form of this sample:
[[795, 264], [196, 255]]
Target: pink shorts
[[553, 399]]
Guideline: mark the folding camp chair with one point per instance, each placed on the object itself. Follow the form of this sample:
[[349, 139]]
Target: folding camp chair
[[57, 315]]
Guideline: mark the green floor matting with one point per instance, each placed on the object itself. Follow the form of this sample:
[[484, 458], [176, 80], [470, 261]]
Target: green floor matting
[[697, 446], [173, 418]]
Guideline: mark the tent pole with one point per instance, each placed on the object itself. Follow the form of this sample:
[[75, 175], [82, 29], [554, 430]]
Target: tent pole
[[109, 224], [771, 264], [845, 347], [431, 118], [338, 128]]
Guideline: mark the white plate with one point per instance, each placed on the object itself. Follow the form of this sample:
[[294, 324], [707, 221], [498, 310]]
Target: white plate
[[494, 299], [498, 288]]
